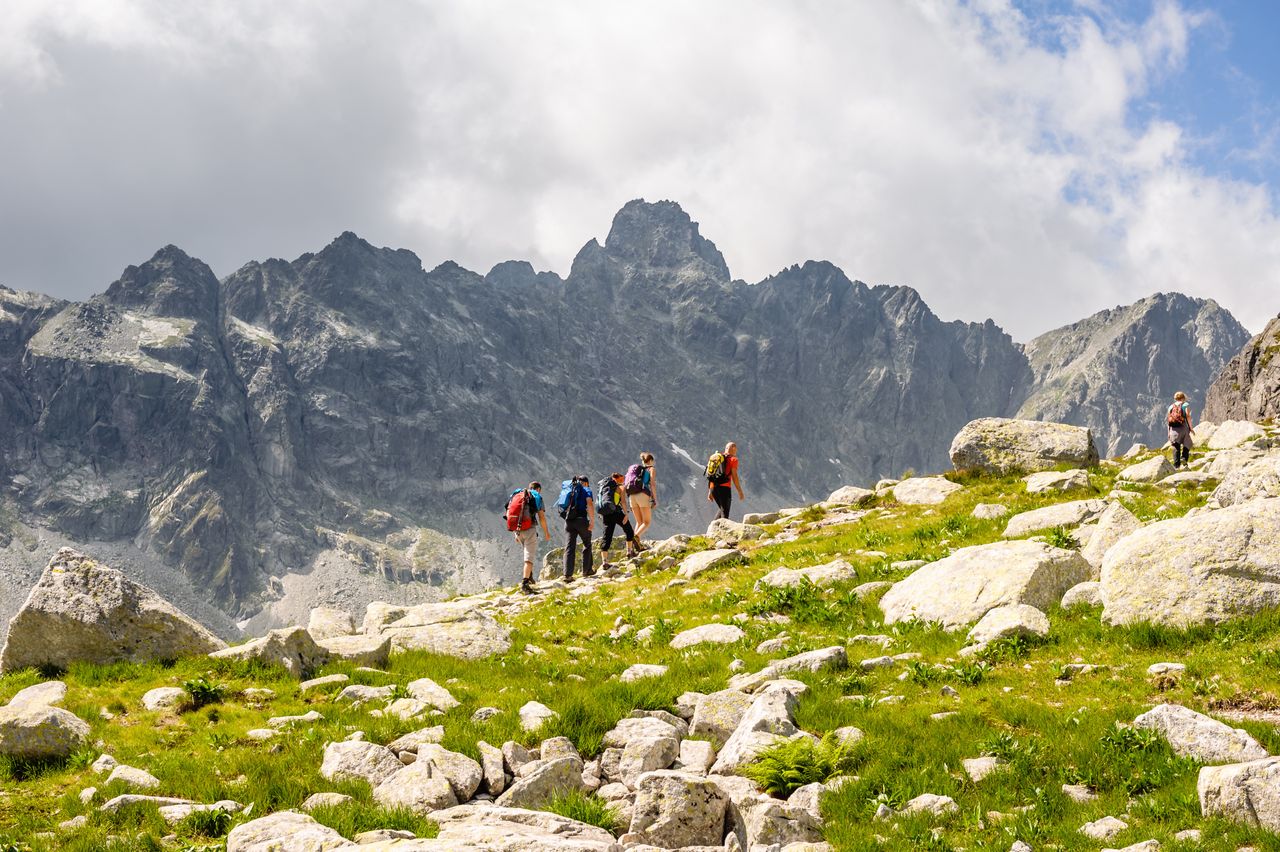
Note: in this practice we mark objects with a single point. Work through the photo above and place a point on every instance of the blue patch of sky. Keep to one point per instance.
(1225, 96)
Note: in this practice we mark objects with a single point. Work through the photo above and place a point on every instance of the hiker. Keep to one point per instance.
(722, 478)
(1178, 418)
(613, 507)
(642, 489)
(524, 506)
(579, 512)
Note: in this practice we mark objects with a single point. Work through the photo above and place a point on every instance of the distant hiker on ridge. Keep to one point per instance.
(612, 505)
(579, 513)
(642, 489)
(1178, 417)
(523, 507)
(722, 478)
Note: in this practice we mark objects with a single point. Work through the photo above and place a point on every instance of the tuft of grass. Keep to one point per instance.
(213, 823)
(592, 810)
(1061, 537)
(351, 818)
(203, 692)
(787, 766)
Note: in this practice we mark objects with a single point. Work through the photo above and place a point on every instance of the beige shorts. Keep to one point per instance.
(528, 539)
(641, 501)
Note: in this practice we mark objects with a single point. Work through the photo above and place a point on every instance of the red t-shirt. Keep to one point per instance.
(731, 467)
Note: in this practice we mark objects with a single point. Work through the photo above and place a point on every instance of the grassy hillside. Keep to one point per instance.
(1017, 701)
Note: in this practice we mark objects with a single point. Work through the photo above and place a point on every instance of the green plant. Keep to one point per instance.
(922, 673)
(579, 806)
(210, 823)
(1129, 739)
(789, 765)
(969, 674)
(1005, 650)
(202, 692)
(1061, 537)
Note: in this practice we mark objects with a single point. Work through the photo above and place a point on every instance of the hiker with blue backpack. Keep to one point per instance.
(523, 509)
(579, 512)
(642, 491)
(613, 507)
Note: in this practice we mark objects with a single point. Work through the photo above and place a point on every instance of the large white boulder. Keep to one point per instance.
(487, 828)
(706, 560)
(33, 730)
(826, 574)
(925, 490)
(716, 716)
(358, 650)
(708, 634)
(1153, 469)
(1049, 481)
(562, 775)
(426, 689)
(1232, 433)
(326, 622)
(289, 647)
(1002, 445)
(1115, 523)
(1255, 478)
(678, 809)
(723, 529)
(82, 611)
(832, 657)
(285, 831)
(850, 495)
(1196, 570)
(1006, 622)
(1247, 792)
(769, 719)
(1057, 515)
(455, 629)
(358, 759)
(1199, 737)
(963, 587)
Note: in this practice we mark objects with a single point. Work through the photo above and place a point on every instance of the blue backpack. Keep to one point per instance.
(572, 503)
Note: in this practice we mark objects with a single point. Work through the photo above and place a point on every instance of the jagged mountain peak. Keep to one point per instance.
(171, 283)
(661, 234)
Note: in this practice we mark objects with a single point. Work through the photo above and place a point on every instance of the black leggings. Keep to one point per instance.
(610, 525)
(723, 495)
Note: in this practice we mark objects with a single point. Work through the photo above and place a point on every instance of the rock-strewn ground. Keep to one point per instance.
(952, 740)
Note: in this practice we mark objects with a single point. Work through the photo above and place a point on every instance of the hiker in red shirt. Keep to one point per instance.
(722, 479)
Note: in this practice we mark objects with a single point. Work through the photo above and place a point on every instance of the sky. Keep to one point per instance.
(1029, 161)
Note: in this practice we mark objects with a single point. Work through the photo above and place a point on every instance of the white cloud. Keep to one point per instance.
(1004, 167)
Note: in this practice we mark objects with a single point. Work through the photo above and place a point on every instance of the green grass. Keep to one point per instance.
(585, 808)
(1010, 702)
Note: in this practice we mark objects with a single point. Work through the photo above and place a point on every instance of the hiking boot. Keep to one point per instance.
(588, 572)
(526, 586)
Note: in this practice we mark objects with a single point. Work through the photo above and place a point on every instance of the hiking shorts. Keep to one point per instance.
(641, 501)
(528, 539)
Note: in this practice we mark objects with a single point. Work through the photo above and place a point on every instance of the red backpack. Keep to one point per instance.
(1177, 415)
(519, 511)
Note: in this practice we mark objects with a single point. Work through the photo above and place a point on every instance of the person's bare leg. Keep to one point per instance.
(643, 516)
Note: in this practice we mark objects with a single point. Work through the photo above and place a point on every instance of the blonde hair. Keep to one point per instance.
(1180, 396)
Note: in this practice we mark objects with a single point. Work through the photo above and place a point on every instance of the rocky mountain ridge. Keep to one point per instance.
(1248, 388)
(345, 426)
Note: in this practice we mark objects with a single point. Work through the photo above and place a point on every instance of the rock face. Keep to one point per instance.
(289, 647)
(1002, 445)
(965, 586)
(456, 629)
(228, 428)
(1248, 387)
(1195, 570)
(1117, 370)
(81, 611)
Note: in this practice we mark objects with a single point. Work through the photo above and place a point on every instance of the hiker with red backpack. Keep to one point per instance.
(523, 509)
(579, 512)
(1178, 419)
(722, 478)
(642, 491)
